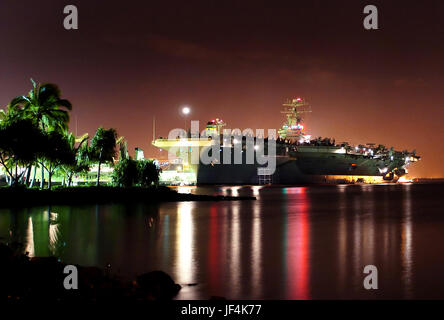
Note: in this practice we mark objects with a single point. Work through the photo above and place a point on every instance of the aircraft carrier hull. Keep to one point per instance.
(313, 165)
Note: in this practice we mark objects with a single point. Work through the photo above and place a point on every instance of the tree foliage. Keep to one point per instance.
(44, 104)
(126, 173)
(103, 147)
(129, 172)
(21, 142)
(81, 158)
(34, 134)
(57, 152)
(49, 111)
(148, 173)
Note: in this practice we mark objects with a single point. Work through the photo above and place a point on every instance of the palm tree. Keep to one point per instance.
(103, 147)
(21, 141)
(57, 153)
(44, 104)
(123, 148)
(80, 154)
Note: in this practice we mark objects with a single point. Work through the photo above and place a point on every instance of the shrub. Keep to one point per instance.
(129, 172)
(148, 173)
(126, 173)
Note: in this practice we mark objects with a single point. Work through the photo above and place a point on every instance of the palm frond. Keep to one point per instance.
(20, 101)
(47, 92)
(64, 103)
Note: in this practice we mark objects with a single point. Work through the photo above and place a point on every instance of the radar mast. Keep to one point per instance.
(293, 128)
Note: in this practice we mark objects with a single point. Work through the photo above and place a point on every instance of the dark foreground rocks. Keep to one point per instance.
(157, 285)
(25, 279)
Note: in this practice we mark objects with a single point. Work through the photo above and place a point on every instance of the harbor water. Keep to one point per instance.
(291, 243)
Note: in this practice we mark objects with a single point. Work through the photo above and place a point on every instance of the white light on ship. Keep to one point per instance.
(256, 147)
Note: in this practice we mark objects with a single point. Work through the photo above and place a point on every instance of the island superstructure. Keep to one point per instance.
(299, 158)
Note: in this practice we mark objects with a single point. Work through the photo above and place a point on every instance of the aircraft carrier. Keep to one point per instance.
(298, 158)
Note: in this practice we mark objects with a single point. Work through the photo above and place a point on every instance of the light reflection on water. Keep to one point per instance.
(406, 246)
(256, 250)
(184, 248)
(29, 241)
(291, 243)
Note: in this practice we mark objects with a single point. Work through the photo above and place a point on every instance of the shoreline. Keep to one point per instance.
(19, 197)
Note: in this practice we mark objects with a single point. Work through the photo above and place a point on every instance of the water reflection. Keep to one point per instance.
(256, 251)
(357, 245)
(235, 251)
(291, 243)
(166, 239)
(342, 239)
(298, 244)
(406, 246)
(214, 250)
(53, 232)
(29, 242)
(184, 247)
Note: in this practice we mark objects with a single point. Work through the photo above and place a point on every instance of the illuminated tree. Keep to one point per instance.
(126, 173)
(103, 148)
(81, 155)
(57, 152)
(45, 105)
(148, 173)
(21, 142)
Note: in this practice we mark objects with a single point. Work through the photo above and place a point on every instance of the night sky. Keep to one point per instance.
(237, 60)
